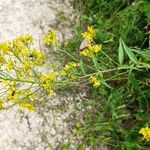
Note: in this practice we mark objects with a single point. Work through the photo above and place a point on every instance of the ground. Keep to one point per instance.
(50, 125)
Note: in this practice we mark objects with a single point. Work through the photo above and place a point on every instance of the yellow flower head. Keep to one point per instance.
(69, 70)
(8, 83)
(38, 57)
(47, 81)
(25, 38)
(25, 52)
(95, 48)
(146, 133)
(5, 48)
(70, 65)
(13, 94)
(27, 106)
(26, 65)
(95, 81)
(85, 53)
(91, 49)
(18, 46)
(91, 30)
(10, 64)
(89, 34)
(49, 38)
(49, 77)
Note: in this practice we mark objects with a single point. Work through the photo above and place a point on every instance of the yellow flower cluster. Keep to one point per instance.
(91, 50)
(37, 57)
(8, 83)
(20, 63)
(26, 97)
(71, 65)
(13, 94)
(146, 133)
(47, 81)
(27, 106)
(5, 48)
(69, 70)
(89, 34)
(49, 38)
(25, 38)
(19, 54)
(95, 81)
(10, 64)
(23, 97)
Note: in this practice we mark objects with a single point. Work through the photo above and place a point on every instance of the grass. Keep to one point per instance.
(120, 105)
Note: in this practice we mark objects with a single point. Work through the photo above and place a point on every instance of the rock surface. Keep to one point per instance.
(50, 125)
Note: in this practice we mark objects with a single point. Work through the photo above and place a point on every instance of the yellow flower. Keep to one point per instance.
(146, 133)
(49, 38)
(38, 57)
(89, 34)
(50, 92)
(91, 49)
(1, 104)
(2, 60)
(70, 65)
(5, 48)
(10, 64)
(95, 48)
(49, 77)
(26, 64)
(25, 52)
(18, 46)
(47, 81)
(86, 53)
(7, 82)
(91, 30)
(94, 81)
(28, 106)
(13, 94)
(25, 38)
(69, 71)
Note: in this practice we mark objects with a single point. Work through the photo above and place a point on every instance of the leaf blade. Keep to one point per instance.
(120, 53)
(129, 52)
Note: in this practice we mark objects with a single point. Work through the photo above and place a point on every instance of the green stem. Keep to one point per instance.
(17, 80)
(111, 70)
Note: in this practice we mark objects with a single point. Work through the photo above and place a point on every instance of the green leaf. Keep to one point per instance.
(133, 81)
(82, 67)
(129, 52)
(120, 52)
(104, 82)
(103, 127)
(95, 63)
(98, 128)
(143, 53)
(80, 147)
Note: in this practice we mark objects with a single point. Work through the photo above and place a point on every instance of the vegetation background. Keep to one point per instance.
(120, 105)
(108, 57)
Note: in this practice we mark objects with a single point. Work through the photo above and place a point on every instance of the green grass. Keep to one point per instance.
(120, 106)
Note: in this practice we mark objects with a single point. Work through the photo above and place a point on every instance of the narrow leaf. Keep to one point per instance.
(82, 67)
(120, 53)
(129, 53)
(104, 82)
(133, 81)
(143, 53)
